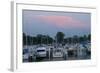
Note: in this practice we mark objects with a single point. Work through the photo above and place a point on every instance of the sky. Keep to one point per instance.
(50, 22)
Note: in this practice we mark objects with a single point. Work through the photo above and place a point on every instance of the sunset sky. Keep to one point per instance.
(49, 23)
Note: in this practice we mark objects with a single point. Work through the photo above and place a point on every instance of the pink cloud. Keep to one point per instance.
(62, 21)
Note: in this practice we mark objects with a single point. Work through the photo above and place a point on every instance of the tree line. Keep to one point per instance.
(59, 38)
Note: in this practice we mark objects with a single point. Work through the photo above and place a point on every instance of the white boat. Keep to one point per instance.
(57, 53)
(41, 52)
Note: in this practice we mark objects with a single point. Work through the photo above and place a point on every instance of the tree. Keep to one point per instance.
(75, 39)
(44, 39)
(34, 40)
(24, 39)
(89, 37)
(60, 37)
(85, 38)
(49, 40)
(39, 39)
(69, 40)
(28, 40)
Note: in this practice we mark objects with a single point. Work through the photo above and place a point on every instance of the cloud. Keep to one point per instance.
(61, 21)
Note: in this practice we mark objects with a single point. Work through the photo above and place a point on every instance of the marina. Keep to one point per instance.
(39, 53)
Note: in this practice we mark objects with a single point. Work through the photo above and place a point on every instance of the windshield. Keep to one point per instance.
(40, 50)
